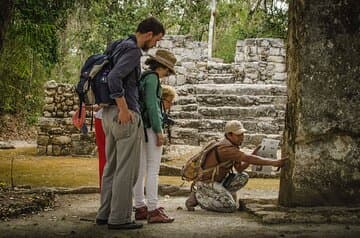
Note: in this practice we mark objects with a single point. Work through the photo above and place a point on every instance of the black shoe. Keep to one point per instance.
(101, 222)
(126, 226)
(242, 206)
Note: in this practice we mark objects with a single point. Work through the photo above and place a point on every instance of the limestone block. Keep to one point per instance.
(180, 80)
(280, 76)
(60, 113)
(167, 44)
(276, 59)
(51, 84)
(49, 100)
(56, 150)
(277, 43)
(42, 140)
(49, 107)
(61, 140)
(49, 150)
(41, 150)
(279, 68)
(275, 51)
(47, 122)
(56, 131)
(47, 114)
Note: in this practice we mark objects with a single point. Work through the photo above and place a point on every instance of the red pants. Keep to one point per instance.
(100, 142)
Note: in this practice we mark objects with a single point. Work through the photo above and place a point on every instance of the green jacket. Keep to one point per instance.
(150, 102)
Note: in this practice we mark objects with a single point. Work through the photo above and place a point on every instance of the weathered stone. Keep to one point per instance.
(61, 140)
(42, 140)
(322, 119)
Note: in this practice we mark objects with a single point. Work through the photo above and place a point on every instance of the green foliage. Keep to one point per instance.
(241, 19)
(30, 51)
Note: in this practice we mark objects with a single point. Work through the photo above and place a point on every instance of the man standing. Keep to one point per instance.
(216, 190)
(123, 128)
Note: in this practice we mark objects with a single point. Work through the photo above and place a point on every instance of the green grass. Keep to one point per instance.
(49, 171)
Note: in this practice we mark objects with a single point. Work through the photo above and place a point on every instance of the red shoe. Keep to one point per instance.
(141, 213)
(159, 216)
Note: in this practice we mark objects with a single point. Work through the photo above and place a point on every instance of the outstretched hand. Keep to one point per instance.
(281, 162)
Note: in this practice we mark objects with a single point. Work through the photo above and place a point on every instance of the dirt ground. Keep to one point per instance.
(73, 216)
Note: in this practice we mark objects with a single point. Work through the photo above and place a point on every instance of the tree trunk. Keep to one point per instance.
(5, 17)
(211, 29)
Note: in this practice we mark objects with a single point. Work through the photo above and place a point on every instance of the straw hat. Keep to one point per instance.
(165, 58)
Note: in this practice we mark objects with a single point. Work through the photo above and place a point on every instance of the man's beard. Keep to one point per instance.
(146, 46)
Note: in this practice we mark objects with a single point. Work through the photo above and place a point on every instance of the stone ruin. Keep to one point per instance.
(252, 89)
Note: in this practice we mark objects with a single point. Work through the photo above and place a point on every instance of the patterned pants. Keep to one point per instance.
(214, 197)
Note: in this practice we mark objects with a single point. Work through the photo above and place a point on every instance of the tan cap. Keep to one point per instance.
(235, 127)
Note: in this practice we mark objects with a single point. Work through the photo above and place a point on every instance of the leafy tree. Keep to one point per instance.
(29, 51)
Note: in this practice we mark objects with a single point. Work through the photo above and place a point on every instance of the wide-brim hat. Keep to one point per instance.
(78, 118)
(235, 127)
(165, 58)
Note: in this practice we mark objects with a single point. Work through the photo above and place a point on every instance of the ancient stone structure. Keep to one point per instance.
(322, 131)
(252, 89)
(56, 133)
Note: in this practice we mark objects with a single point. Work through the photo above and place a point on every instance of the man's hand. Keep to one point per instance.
(159, 139)
(280, 162)
(125, 116)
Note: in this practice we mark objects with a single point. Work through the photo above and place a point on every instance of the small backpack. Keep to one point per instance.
(92, 87)
(193, 168)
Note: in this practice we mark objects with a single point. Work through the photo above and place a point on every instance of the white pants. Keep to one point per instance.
(149, 167)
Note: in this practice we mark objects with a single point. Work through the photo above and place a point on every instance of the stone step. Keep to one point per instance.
(240, 113)
(239, 89)
(244, 100)
(264, 125)
(249, 140)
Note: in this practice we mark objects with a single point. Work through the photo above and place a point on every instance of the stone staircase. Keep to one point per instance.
(202, 109)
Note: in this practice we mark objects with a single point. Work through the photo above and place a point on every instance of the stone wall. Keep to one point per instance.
(56, 133)
(322, 131)
(261, 60)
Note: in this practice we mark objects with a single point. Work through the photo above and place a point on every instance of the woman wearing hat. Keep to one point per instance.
(161, 65)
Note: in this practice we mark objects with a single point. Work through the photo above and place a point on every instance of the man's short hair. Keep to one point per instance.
(151, 24)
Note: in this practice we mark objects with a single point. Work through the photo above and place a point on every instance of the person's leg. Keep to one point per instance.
(153, 155)
(214, 197)
(239, 181)
(109, 169)
(139, 197)
(100, 142)
(128, 143)
(235, 185)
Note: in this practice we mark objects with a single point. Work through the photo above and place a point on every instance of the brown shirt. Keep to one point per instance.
(227, 152)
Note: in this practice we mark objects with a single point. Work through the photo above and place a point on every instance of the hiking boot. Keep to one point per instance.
(191, 202)
(242, 206)
(141, 213)
(159, 216)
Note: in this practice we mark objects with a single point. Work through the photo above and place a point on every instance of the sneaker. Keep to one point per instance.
(126, 226)
(159, 216)
(141, 213)
(191, 202)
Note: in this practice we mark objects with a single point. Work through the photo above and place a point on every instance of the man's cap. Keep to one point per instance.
(165, 58)
(235, 127)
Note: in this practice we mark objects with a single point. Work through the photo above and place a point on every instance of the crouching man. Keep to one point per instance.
(216, 191)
